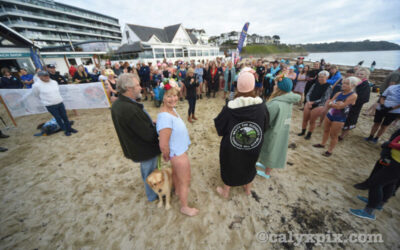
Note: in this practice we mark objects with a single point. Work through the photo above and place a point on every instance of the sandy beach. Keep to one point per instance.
(80, 192)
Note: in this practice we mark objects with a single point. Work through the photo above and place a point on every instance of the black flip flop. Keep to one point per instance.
(327, 154)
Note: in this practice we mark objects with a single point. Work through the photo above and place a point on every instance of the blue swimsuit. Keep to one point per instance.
(339, 115)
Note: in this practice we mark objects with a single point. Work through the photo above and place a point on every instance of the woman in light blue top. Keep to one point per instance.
(174, 142)
(229, 76)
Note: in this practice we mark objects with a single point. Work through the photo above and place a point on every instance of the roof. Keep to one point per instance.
(14, 37)
(145, 33)
(193, 38)
(171, 31)
(129, 48)
(166, 35)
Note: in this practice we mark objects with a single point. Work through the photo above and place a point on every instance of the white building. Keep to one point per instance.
(154, 44)
(257, 39)
(233, 38)
(229, 36)
(199, 34)
(17, 51)
(49, 23)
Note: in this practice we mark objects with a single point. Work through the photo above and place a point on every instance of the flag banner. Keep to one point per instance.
(36, 59)
(22, 102)
(242, 38)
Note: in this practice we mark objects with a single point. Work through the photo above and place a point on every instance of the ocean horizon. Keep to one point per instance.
(385, 59)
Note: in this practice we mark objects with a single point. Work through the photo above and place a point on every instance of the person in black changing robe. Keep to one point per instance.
(241, 123)
(363, 91)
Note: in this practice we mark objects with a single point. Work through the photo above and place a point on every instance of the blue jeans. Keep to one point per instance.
(146, 167)
(60, 114)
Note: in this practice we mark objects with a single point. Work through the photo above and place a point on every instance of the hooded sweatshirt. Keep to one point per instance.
(276, 138)
(241, 124)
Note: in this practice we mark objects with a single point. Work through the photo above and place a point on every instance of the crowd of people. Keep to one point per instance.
(254, 124)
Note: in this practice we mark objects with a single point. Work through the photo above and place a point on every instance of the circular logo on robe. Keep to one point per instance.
(246, 135)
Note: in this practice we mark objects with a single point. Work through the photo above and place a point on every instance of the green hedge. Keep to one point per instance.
(269, 49)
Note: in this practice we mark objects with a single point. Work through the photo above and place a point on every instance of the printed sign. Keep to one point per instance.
(22, 102)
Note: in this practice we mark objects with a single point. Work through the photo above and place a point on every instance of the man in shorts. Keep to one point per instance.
(387, 111)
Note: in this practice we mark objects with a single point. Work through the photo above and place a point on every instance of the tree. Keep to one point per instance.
(233, 33)
(276, 37)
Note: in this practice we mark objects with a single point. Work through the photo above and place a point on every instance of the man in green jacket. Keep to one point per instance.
(135, 128)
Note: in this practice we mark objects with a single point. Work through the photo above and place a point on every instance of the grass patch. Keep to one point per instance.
(270, 49)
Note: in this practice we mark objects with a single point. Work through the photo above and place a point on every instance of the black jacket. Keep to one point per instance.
(82, 79)
(10, 83)
(212, 80)
(242, 130)
(136, 131)
(363, 91)
(190, 88)
(58, 78)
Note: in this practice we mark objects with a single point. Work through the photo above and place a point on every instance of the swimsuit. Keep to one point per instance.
(339, 115)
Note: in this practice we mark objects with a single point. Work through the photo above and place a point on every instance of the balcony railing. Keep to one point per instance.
(74, 38)
(33, 25)
(32, 14)
(67, 10)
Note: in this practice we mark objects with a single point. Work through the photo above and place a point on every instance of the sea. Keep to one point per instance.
(388, 59)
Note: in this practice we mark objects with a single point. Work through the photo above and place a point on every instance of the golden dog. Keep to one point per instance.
(161, 182)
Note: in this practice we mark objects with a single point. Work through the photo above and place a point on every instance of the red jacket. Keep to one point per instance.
(72, 70)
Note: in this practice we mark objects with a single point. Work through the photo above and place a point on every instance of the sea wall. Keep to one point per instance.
(377, 76)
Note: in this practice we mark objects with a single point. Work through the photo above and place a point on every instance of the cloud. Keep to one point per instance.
(306, 21)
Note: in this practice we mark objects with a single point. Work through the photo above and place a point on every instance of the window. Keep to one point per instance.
(26, 64)
(146, 54)
(212, 52)
(179, 52)
(159, 53)
(192, 52)
(205, 53)
(169, 52)
(72, 61)
(199, 53)
(87, 61)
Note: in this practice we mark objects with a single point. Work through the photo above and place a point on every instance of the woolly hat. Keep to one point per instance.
(246, 82)
(285, 84)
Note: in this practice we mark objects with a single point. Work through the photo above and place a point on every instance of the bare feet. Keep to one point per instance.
(189, 211)
(247, 189)
(222, 192)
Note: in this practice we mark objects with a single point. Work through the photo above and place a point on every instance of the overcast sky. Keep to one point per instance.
(307, 21)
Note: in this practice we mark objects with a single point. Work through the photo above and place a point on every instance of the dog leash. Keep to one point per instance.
(159, 162)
